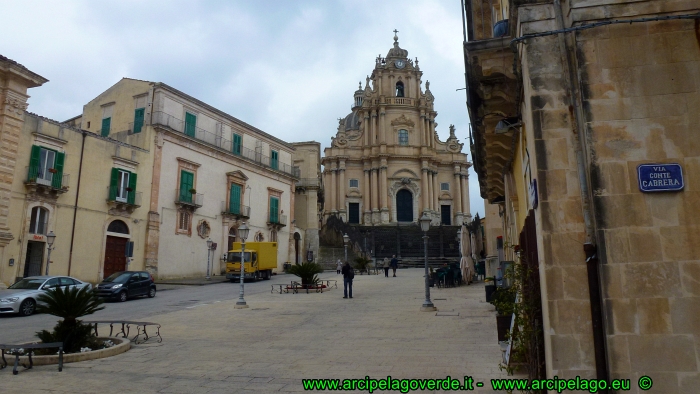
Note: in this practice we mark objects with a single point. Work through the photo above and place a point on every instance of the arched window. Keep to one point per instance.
(403, 137)
(259, 237)
(399, 89)
(118, 226)
(273, 236)
(39, 220)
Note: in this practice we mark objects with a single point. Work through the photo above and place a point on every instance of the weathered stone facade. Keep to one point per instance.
(588, 107)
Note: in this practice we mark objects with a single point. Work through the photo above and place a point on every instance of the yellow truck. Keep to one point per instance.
(260, 259)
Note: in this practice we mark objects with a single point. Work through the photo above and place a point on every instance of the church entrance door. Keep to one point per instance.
(354, 213)
(404, 206)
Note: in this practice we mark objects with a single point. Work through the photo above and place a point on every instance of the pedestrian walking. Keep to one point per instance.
(394, 264)
(348, 276)
(339, 267)
(386, 267)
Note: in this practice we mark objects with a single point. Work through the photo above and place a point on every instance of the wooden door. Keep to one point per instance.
(404, 206)
(446, 215)
(115, 259)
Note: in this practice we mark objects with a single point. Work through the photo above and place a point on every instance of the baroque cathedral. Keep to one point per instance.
(386, 163)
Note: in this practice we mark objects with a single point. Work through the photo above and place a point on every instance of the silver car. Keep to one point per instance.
(21, 297)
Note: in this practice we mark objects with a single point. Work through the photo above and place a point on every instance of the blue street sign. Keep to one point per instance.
(660, 177)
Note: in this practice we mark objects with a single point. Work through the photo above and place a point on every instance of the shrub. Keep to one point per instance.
(69, 304)
(306, 272)
(504, 301)
(361, 263)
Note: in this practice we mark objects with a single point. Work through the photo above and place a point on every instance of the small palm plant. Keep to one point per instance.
(69, 304)
(361, 263)
(307, 272)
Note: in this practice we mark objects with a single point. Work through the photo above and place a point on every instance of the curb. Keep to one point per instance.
(77, 357)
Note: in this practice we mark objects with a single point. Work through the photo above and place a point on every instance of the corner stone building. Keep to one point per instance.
(568, 98)
(386, 163)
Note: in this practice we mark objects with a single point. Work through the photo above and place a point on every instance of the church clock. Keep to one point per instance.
(400, 63)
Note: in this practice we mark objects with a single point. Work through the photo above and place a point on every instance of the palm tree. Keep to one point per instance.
(307, 272)
(69, 304)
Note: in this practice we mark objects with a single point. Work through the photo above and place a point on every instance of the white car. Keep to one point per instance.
(21, 296)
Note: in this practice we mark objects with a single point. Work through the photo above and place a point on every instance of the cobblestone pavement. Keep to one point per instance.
(283, 338)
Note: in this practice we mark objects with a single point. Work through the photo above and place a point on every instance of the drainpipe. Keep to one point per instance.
(75, 206)
(567, 47)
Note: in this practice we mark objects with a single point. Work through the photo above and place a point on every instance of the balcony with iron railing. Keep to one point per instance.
(216, 139)
(189, 199)
(123, 198)
(277, 219)
(238, 211)
(48, 181)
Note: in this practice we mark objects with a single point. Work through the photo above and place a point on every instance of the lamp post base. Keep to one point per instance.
(428, 308)
(240, 305)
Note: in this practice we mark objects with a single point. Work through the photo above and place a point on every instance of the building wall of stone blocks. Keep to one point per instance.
(641, 94)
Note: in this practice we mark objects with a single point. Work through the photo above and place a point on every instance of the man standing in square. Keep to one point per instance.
(348, 276)
(394, 264)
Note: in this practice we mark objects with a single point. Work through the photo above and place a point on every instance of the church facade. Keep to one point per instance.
(386, 164)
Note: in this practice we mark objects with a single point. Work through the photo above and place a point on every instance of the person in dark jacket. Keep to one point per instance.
(348, 276)
(394, 264)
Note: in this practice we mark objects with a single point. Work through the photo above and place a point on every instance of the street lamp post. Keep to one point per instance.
(346, 239)
(50, 238)
(425, 226)
(243, 233)
(209, 242)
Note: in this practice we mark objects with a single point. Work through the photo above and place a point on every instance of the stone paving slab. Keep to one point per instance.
(283, 338)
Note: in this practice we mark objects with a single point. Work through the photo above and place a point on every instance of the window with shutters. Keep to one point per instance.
(122, 186)
(403, 137)
(39, 220)
(445, 186)
(274, 160)
(234, 202)
(190, 124)
(274, 210)
(237, 144)
(46, 167)
(354, 183)
(106, 125)
(186, 186)
(138, 119)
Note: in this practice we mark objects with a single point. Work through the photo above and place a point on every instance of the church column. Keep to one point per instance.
(426, 127)
(465, 196)
(373, 135)
(382, 129)
(421, 124)
(334, 187)
(430, 190)
(457, 197)
(436, 192)
(424, 188)
(366, 128)
(375, 193)
(383, 191)
(366, 196)
(342, 189)
(432, 131)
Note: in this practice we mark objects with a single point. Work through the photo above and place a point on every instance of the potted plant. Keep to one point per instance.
(70, 304)
(489, 287)
(129, 189)
(361, 264)
(53, 170)
(307, 273)
(193, 191)
(504, 301)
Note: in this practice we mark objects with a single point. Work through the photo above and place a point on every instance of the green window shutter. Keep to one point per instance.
(131, 196)
(34, 163)
(235, 200)
(274, 210)
(237, 143)
(57, 178)
(106, 123)
(113, 185)
(274, 163)
(138, 119)
(190, 124)
(186, 183)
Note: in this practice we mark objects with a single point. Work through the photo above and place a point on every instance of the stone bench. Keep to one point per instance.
(19, 350)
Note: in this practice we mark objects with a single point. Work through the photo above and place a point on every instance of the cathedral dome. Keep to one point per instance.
(352, 121)
(396, 51)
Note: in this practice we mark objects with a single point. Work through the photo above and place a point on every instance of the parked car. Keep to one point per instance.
(127, 284)
(21, 296)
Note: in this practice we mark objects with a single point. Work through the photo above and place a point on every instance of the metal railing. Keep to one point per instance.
(47, 178)
(218, 140)
(236, 209)
(188, 198)
(123, 195)
(309, 182)
(277, 219)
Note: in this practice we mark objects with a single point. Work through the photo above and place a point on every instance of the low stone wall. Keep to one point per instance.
(121, 345)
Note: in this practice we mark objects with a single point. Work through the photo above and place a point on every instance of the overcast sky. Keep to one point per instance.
(288, 67)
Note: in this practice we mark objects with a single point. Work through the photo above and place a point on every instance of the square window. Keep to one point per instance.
(403, 137)
(445, 186)
(354, 183)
